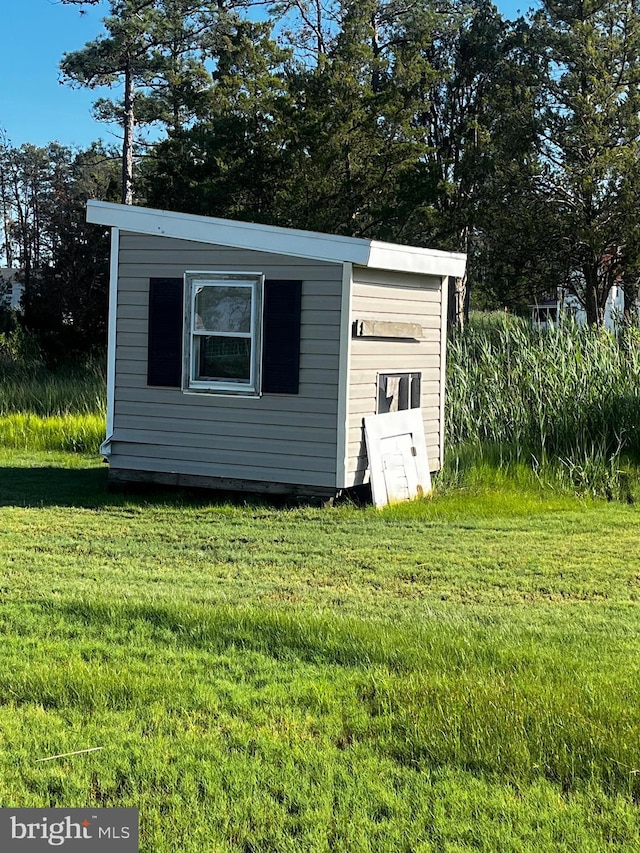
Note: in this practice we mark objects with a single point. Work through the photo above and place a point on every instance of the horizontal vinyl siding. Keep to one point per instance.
(229, 464)
(275, 438)
(165, 401)
(148, 457)
(400, 298)
(322, 437)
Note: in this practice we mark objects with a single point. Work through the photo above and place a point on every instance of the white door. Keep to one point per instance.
(399, 467)
(398, 464)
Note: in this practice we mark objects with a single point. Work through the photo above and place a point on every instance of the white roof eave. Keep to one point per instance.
(392, 256)
(275, 240)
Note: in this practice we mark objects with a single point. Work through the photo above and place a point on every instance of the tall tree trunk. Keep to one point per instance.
(375, 49)
(595, 314)
(24, 242)
(127, 143)
(4, 199)
(459, 289)
(458, 308)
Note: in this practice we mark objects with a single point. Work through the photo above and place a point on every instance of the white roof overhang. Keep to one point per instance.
(279, 241)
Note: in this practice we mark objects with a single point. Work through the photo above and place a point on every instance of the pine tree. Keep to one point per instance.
(158, 50)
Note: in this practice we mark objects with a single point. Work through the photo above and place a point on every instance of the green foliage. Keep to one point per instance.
(44, 410)
(163, 45)
(158, 50)
(74, 433)
(380, 121)
(63, 262)
(568, 398)
(29, 387)
(233, 161)
(591, 144)
(515, 141)
(19, 351)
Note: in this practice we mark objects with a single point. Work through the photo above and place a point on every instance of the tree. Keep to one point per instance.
(26, 176)
(308, 28)
(406, 122)
(473, 81)
(66, 303)
(348, 133)
(62, 261)
(158, 50)
(233, 161)
(383, 121)
(591, 142)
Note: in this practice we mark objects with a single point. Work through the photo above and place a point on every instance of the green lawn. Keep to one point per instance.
(454, 675)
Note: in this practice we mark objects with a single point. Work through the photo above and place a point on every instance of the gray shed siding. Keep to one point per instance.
(399, 297)
(275, 438)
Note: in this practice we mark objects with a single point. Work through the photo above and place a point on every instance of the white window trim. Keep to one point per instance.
(198, 278)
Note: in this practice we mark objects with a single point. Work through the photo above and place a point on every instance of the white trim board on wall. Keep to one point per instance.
(343, 376)
(105, 447)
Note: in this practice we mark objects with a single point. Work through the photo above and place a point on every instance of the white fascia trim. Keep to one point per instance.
(343, 377)
(105, 447)
(227, 232)
(444, 316)
(412, 259)
(275, 240)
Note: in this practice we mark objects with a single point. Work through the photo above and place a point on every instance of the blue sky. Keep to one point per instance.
(34, 106)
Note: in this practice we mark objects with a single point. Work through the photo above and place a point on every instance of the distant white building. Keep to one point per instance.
(567, 306)
(12, 294)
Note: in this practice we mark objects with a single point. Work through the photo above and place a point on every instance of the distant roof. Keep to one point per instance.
(279, 241)
(7, 273)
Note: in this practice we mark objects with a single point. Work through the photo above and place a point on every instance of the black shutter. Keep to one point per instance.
(281, 337)
(164, 365)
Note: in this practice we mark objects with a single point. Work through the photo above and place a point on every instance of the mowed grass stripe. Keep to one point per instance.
(459, 674)
(406, 703)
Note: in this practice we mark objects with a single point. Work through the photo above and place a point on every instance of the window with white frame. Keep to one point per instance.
(223, 322)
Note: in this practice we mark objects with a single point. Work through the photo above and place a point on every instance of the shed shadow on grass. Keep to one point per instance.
(88, 488)
(311, 638)
(53, 486)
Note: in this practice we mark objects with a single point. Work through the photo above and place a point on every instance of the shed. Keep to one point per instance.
(246, 356)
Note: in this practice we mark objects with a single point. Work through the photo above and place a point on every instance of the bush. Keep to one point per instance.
(19, 350)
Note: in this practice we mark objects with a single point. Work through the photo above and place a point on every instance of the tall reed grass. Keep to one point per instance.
(74, 433)
(34, 389)
(41, 409)
(565, 400)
